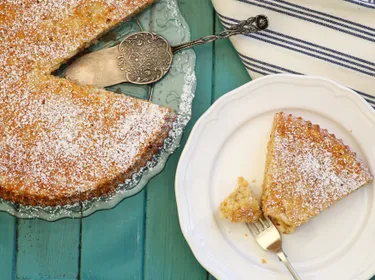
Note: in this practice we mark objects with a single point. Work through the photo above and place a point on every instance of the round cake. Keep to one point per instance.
(60, 142)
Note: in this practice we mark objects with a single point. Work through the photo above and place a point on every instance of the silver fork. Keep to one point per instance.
(268, 237)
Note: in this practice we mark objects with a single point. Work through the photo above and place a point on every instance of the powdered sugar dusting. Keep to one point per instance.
(58, 139)
(309, 171)
(43, 34)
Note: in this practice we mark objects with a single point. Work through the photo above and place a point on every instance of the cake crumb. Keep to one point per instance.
(240, 206)
(246, 234)
(350, 130)
(253, 181)
(264, 261)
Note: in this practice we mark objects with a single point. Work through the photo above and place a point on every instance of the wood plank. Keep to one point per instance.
(229, 73)
(228, 68)
(112, 242)
(7, 246)
(167, 255)
(48, 250)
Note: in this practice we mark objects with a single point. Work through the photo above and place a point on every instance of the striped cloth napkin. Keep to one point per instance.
(329, 38)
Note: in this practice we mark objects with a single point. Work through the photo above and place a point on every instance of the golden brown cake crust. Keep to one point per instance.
(307, 170)
(59, 142)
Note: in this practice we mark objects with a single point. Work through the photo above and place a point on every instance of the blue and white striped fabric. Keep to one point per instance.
(330, 38)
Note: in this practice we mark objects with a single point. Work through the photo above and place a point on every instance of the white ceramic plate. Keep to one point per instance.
(230, 140)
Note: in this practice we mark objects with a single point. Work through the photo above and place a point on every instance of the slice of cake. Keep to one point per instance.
(307, 170)
(240, 206)
(62, 143)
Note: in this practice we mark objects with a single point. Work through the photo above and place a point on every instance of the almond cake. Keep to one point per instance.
(307, 171)
(241, 206)
(62, 143)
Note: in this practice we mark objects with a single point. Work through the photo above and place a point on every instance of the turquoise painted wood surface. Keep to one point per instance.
(112, 245)
(141, 237)
(48, 250)
(7, 246)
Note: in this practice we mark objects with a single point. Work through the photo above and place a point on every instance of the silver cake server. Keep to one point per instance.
(144, 57)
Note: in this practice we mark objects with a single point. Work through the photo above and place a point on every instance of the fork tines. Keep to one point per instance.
(260, 225)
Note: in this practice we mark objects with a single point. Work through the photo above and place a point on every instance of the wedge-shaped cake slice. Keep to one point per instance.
(307, 171)
(241, 206)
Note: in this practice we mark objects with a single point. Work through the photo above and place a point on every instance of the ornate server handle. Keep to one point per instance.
(250, 25)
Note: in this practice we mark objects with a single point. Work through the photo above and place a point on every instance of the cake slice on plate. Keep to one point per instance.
(307, 171)
(241, 206)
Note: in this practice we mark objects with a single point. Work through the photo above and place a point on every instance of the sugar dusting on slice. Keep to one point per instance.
(309, 171)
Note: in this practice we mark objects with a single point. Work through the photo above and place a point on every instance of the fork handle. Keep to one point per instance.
(284, 259)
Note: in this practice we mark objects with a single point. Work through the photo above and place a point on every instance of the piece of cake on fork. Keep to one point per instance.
(307, 171)
(241, 206)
